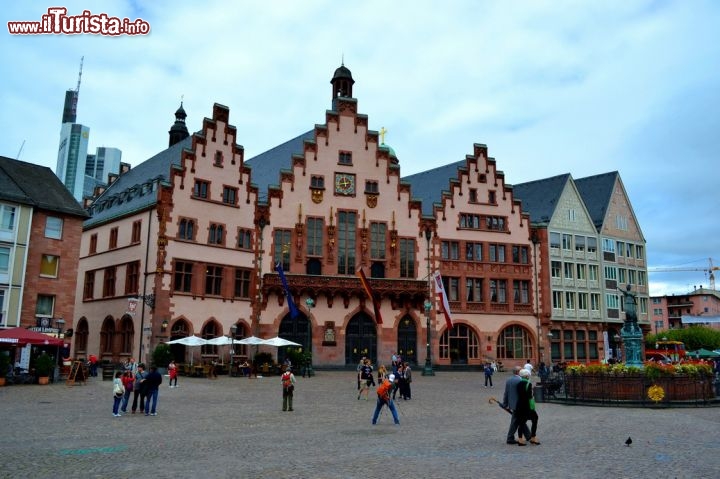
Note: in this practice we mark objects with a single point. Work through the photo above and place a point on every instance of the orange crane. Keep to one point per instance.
(710, 270)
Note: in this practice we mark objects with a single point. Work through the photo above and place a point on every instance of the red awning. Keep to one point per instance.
(22, 336)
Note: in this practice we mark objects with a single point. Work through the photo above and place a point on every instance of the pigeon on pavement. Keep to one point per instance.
(628, 442)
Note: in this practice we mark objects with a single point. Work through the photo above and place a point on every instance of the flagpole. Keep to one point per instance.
(428, 369)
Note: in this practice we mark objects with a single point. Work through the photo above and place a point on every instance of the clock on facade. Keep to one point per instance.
(344, 184)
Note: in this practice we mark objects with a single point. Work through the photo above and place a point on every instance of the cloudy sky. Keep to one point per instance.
(580, 87)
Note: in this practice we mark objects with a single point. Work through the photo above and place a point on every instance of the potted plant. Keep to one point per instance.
(161, 357)
(44, 365)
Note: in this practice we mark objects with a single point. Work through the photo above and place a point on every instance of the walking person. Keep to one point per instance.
(93, 360)
(288, 385)
(152, 385)
(118, 393)
(384, 399)
(510, 399)
(173, 373)
(399, 381)
(488, 374)
(526, 407)
(382, 373)
(365, 379)
(358, 368)
(128, 382)
(138, 389)
(407, 379)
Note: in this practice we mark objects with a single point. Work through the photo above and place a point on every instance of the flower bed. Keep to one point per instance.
(600, 382)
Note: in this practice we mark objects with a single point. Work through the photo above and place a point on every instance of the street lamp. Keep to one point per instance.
(233, 332)
(428, 370)
(310, 303)
(59, 323)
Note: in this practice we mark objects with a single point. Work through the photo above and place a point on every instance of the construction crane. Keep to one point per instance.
(710, 270)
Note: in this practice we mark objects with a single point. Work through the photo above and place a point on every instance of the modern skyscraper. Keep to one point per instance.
(106, 160)
(72, 155)
(78, 171)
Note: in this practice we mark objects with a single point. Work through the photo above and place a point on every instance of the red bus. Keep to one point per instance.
(674, 350)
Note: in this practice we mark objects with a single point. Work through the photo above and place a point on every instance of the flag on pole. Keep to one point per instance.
(440, 291)
(291, 303)
(368, 290)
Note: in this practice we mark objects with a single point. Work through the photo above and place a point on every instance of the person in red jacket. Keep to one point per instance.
(384, 399)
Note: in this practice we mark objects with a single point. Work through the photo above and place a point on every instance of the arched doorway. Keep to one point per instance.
(360, 339)
(515, 342)
(297, 330)
(181, 329)
(459, 344)
(407, 339)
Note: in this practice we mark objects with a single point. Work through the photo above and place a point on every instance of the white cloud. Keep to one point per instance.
(550, 86)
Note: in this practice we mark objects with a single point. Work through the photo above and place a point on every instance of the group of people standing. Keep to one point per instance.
(144, 385)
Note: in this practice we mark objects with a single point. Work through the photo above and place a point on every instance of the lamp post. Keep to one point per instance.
(233, 332)
(307, 357)
(59, 323)
(428, 370)
(550, 338)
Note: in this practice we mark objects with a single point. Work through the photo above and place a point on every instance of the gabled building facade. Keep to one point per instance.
(200, 235)
(572, 307)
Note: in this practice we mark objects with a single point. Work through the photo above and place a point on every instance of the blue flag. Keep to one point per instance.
(291, 304)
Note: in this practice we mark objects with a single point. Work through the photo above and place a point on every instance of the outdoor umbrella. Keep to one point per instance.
(702, 354)
(251, 340)
(189, 341)
(22, 336)
(279, 342)
(221, 341)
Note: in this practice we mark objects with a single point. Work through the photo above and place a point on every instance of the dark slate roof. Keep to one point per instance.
(540, 197)
(596, 192)
(37, 186)
(429, 185)
(135, 190)
(266, 166)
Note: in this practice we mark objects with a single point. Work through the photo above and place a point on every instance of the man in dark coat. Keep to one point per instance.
(510, 399)
(152, 386)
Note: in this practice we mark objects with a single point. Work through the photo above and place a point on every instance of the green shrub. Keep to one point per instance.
(44, 364)
(162, 355)
(262, 358)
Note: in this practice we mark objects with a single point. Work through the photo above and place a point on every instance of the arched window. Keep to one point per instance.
(210, 330)
(107, 334)
(240, 333)
(81, 336)
(186, 229)
(459, 344)
(127, 335)
(515, 342)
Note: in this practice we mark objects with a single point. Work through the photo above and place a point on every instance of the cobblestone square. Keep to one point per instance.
(234, 427)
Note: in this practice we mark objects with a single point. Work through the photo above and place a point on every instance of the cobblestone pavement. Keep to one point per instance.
(234, 427)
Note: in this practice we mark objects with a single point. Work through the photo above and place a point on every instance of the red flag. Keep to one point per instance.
(368, 290)
(440, 289)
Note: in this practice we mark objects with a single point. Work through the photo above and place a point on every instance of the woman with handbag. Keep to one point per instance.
(118, 393)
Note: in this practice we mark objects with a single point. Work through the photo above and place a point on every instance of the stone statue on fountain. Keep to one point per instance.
(631, 333)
